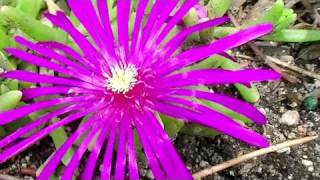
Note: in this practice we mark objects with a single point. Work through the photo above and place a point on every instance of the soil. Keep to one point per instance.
(299, 162)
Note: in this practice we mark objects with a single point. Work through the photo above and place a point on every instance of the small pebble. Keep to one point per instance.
(290, 118)
(204, 164)
(311, 168)
(307, 163)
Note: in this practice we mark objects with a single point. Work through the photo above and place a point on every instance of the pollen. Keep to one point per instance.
(122, 79)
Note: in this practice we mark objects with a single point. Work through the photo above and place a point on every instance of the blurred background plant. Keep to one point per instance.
(24, 17)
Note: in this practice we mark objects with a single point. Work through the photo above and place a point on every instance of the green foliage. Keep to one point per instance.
(30, 7)
(217, 8)
(12, 18)
(59, 136)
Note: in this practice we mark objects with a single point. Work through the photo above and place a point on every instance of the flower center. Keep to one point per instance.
(122, 79)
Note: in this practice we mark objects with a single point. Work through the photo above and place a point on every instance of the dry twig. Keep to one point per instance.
(254, 154)
(293, 68)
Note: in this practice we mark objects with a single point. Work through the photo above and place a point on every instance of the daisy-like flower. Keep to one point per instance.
(121, 83)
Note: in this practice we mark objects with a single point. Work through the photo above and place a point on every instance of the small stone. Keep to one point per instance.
(293, 104)
(231, 173)
(290, 118)
(292, 135)
(311, 168)
(310, 103)
(284, 150)
(307, 163)
(204, 164)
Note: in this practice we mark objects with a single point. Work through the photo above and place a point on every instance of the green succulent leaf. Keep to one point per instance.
(217, 8)
(59, 136)
(14, 18)
(30, 7)
(10, 100)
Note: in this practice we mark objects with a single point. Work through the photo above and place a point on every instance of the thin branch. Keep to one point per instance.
(254, 154)
(293, 68)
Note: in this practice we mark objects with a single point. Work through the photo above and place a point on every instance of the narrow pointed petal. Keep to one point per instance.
(213, 120)
(32, 77)
(93, 157)
(11, 115)
(218, 76)
(109, 41)
(31, 93)
(68, 172)
(105, 168)
(236, 105)
(70, 52)
(176, 18)
(38, 122)
(176, 41)
(87, 49)
(41, 62)
(22, 145)
(123, 14)
(153, 162)
(52, 54)
(132, 159)
(49, 168)
(226, 43)
(155, 11)
(163, 148)
(120, 167)
(159, 14)
(141, 7)
(85, 12)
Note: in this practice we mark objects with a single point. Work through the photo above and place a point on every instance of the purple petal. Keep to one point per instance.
(218, 76)
(153, 162)
(123, 14)
(45, 79)
(120, 168)
(58, 154)
(158, 15)
(38, 122)
(176, 18)
(105, 168)
(70, 52)
(22, 145)
(77, 155)
(163, 148)
(231, 41)
(93, 157)
(86, 47)
(52, 54)
(31, 93)
(212, 120)
(176, 41)
(85, 12)
(38, 61)
(132, 159)
(11, 115)
(137, 23)
(238, 106)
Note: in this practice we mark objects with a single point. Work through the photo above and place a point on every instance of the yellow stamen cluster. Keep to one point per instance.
(122, 79)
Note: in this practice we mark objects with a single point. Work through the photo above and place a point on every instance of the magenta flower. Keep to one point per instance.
(121, 83)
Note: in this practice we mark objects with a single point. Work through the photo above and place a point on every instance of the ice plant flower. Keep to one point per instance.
(121, 83)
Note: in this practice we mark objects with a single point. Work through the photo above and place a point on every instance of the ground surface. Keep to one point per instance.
(302, 162)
